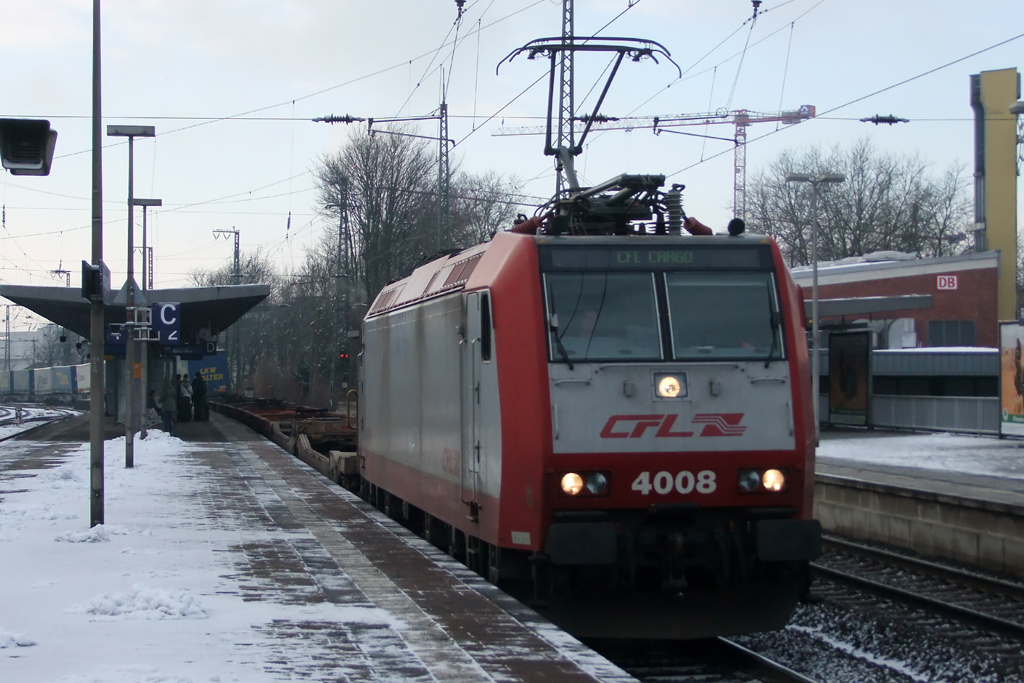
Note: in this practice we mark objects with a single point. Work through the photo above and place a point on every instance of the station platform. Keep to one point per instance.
(224, 558)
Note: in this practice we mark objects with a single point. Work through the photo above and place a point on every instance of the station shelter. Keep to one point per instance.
(187, 325)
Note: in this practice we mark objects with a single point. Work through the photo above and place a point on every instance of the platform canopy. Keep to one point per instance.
(205, 311)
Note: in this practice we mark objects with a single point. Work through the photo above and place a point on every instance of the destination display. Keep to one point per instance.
(696, 257)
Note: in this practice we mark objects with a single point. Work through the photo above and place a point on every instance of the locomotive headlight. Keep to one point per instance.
(596, 483)
(572, 483)
(669, 386)
(774, 480)
(749, 480)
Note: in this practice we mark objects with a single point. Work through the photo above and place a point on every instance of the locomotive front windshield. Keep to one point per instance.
(723, 315)
(603, 316)
(622, 305)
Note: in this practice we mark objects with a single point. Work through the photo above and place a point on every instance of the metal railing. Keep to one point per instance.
(963, 414)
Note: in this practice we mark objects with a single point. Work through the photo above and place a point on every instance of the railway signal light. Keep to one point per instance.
(26, 146)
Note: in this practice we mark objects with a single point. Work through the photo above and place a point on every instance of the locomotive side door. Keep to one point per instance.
(479, 400)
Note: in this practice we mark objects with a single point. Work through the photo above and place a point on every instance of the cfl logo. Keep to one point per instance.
(664, 426)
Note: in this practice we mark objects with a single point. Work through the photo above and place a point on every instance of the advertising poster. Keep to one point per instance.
(214, 370)
(1011, 379)
(849, 372)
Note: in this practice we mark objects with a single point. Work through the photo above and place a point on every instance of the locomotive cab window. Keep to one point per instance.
(486, 338)
(602, 316)
(724, 316)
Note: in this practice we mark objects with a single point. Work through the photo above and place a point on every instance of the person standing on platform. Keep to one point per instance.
(200, 407)
(184, 400)
(168, 402)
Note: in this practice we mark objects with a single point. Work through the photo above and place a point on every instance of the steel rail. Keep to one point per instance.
(966, 614)
(778, 672)
(941, 571)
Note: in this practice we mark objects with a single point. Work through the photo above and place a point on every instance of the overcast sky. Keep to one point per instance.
(232, 86)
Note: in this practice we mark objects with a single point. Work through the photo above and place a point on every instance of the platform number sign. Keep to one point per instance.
(167, 322)
(946, 282)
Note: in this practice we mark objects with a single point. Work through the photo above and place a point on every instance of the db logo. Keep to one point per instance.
(946, 282)
(635, 426)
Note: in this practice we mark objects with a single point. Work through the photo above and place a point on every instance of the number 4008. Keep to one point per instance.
(684, 482)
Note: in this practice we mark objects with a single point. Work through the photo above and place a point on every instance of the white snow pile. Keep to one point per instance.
(144, 603)
(64, 473)
(8, 639)
(97, 534)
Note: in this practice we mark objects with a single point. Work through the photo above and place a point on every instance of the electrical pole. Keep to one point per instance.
(96, 388)
(566, 107)
(131, 386)
(444, 210)
(7, 339)
(237, 277)
(59, 271)
(342, 270)
(147, 274)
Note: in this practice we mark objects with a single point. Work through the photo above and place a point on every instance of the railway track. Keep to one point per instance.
(717, 660)
(984, 602)
(32, 416)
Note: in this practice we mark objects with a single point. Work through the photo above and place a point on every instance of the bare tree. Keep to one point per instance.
(887, 203)
(481, 206)
(254, 334)
(387, 177)
(381, 193)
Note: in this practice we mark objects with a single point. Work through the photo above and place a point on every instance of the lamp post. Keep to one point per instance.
(146, 275)
(815, 360)
(130, 132)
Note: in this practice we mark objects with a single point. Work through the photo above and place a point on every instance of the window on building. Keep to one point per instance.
(951, 333)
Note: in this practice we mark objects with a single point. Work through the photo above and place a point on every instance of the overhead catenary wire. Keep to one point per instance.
(864, 97)
(785, 70)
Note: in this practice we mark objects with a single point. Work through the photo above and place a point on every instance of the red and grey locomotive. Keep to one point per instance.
(606, 411)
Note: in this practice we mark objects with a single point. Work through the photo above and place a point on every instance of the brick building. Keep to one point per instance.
(963, 290)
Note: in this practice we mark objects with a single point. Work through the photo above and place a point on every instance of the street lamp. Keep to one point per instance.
(130, 132)
(1017, 107)
(815, 360)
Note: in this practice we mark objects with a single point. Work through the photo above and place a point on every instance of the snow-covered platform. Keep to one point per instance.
(983, 468)
(223, 558)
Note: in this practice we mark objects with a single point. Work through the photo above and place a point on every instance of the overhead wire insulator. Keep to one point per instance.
(331, 118)
(674, 204)
(889, 119)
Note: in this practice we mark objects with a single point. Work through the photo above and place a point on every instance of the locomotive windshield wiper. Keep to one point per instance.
(553, 324)
(776, 322)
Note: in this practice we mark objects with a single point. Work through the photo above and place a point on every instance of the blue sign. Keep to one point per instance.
(116, 341)
(214, 370)
(116, 335)
(167, 323)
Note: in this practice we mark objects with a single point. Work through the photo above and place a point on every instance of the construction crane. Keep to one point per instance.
(740, 118)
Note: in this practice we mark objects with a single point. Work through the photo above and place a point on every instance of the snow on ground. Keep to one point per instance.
(28, 412)
(979, 455)
(149, 596)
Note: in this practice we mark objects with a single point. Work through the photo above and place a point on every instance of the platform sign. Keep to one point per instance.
(1011, 379)
(849, 372)
(167, 322)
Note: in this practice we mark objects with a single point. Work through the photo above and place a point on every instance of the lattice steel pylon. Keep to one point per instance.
(444, 193)
(566, 137)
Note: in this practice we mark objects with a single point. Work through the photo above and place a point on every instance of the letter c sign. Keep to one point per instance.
(167, 322)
